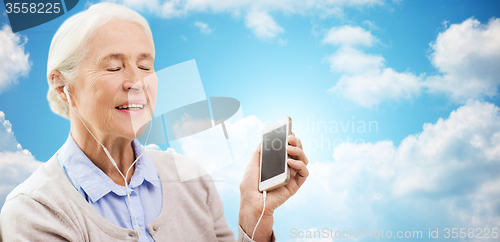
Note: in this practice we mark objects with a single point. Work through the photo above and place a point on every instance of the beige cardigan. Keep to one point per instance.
(46, 207)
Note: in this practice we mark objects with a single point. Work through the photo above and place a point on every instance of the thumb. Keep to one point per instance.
(255, 160)
(256, 153)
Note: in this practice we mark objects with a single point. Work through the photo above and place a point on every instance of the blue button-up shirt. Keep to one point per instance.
(110, 199)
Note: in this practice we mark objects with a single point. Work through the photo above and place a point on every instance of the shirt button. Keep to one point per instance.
(155, 227)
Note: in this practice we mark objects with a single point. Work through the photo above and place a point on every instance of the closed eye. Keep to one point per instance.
(115, 69)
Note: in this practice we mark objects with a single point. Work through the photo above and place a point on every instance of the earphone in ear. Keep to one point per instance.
(65, 89)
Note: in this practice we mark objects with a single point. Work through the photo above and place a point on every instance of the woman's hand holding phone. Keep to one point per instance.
(251, 199)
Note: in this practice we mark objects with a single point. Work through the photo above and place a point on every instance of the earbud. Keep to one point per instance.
(65, 89)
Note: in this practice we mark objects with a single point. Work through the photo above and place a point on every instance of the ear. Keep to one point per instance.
(58, 80)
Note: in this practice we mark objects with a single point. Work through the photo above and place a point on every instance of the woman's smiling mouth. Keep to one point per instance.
(131, 107)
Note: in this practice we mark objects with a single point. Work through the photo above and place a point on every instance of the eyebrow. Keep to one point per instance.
(101, 59)
(121, 56)
(143, 56)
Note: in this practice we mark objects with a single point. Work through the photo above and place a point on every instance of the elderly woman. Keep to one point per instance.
(101, 77)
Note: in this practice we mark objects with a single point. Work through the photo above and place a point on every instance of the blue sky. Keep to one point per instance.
(401, 64)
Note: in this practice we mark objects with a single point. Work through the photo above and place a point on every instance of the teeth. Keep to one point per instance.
(132, 106)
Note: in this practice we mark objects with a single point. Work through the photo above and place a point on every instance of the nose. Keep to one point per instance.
(133, 80)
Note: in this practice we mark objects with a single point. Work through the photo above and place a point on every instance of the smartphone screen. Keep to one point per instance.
(273, 153)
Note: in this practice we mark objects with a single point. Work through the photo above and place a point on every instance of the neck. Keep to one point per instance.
(120, 149)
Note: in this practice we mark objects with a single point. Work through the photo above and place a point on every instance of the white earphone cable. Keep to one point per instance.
(113, 161)
(263, 209)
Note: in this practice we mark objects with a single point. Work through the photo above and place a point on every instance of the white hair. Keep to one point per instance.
(68, 45)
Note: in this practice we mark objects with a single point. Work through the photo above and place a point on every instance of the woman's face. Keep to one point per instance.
(115, 89)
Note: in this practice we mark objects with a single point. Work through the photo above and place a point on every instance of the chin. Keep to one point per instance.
(141, 130)
(134, 128)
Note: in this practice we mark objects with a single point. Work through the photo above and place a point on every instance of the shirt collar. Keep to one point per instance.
(94, 181)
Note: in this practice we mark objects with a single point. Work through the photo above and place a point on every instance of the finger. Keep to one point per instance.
(255, 160)
(293, 140)
(293, 133)
(257, 150)
(297, 153)
(293, 172)
(302, 171)
(299, 166)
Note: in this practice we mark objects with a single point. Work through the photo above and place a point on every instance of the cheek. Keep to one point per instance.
(102, 82)
(101, 92)
(152, 82)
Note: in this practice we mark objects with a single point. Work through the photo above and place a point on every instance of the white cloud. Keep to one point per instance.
(452, 156)
(445, 176)
(370, 24)
(231, 175)
(14, 60)
(241, 130)
(349, 36)
(210, 148)
(256, 12)
(282, 42)
(367, 81)
(352, 61)
(468, 56)
(152, 147)
(385, 84)
(204, 28)
(170, 9)
(156, 147)
(7, 141)
(16, 164)
(262, 25)
(15, 167)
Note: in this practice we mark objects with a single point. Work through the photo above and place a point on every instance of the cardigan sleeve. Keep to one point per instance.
(221, 228)
(24, 219)
(243, 237)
